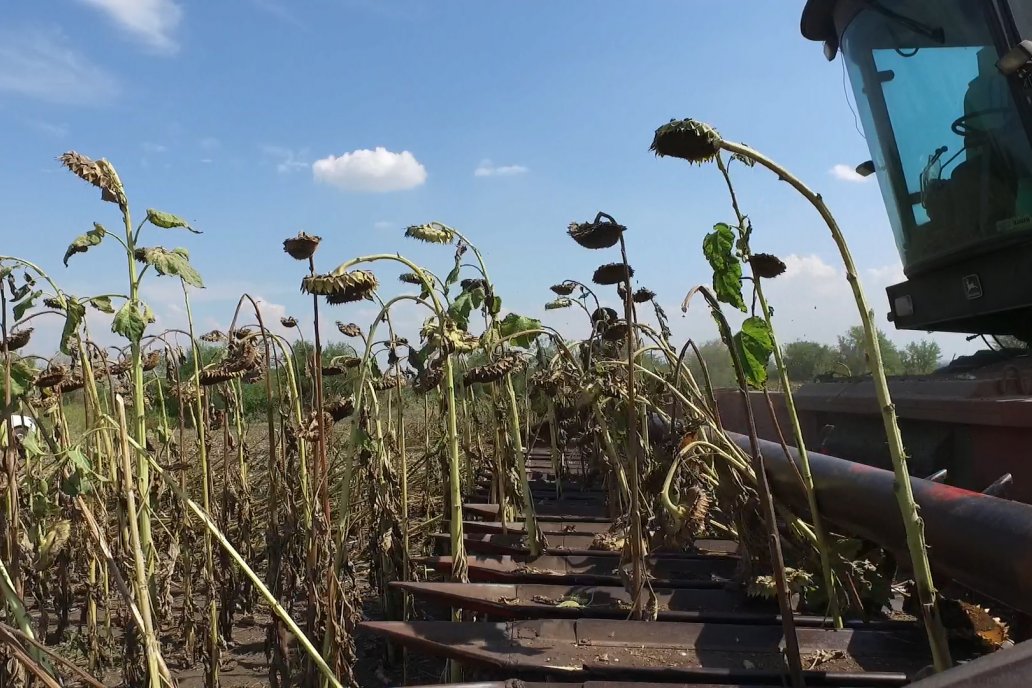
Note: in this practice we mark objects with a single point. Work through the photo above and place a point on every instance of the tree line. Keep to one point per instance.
(807, 360)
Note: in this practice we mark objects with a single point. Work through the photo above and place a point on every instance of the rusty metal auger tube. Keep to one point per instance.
(981, 542)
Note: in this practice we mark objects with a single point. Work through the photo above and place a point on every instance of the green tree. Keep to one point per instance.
(851, 352)
(921, 358)
(806, 360)
(718, 363)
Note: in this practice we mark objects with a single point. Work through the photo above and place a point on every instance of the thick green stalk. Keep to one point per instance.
(634, 449)
(529, 514)
(823, 548)
(500, 473)
(406, 573)
(467, 428)
(197, 414)
(609, 447)
(912, 523)
(139, 404)
(553, 445)
(403, 458)
(142, 589)
(460, 573)
(14, 602)
(10, 455)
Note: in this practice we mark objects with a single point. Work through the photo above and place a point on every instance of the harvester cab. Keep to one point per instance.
(943, 90)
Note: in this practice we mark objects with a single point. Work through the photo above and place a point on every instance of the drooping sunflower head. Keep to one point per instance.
(492, 372)
(687, 139)
(643, 295)
(556, 304)
(615, 331)
(563, 288)
(343, 287)
(432, 233)
(18, 339)
(302, 246)
(766, 265)
(612, 273)
(602, 232)
(349, 329)
(99, 173)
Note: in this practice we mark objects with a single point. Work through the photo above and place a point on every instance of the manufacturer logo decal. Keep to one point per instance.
(972, 287)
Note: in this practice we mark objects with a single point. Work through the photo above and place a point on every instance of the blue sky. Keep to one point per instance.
(258, 118)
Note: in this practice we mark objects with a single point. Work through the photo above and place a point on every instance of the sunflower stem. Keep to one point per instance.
(912, 522)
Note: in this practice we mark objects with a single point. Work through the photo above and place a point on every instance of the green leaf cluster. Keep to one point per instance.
(719, 248)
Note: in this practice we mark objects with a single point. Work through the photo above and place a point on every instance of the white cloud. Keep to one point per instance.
(383, 224)
(847, 174)
(149, 21)
(488, 169)
(370, 170)
(37, 64)
(209, 143)
(812, 300)
(153, 147)
(287, 160)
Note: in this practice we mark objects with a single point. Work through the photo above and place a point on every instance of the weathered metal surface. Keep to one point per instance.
(977, 425)
(516, 683)
(982, 542)
(560, 544)
(579, 570)
(1009, 668)
(572, 648)
(735, 677)
(709, 632)
(547, 527)
(535, 601)
(547, 511)
(532, 601)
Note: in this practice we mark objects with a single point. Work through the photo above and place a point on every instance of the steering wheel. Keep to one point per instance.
(962, 126)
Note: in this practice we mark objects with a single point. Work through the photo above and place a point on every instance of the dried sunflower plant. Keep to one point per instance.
(726, 249)
(286, 473)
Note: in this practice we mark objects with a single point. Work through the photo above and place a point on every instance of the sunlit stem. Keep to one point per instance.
(529, 514)
(197, 414)
(823, 547)
(912, 523)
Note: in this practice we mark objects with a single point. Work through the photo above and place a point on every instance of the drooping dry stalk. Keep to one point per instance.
(765, 498)
(11, 519)
(912, 523)
(823, 546)
(634, 449)
(15, 604)
(116, 574)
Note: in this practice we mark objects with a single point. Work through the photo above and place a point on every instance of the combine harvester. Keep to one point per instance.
(944, 93)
